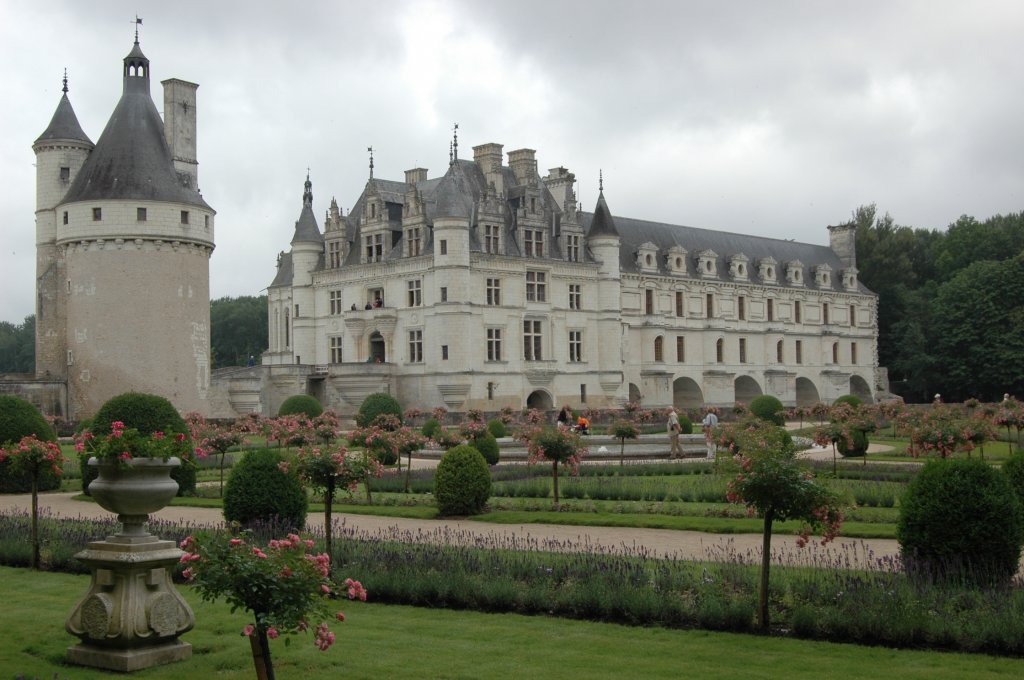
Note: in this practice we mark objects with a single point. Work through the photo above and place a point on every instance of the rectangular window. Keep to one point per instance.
(720, 350)
(835, 352)
(416, 347)
(97, 214)
(494, 292)
(444, 247)
(140, 214)
(709, 303)
(796, 311)
(65, 217)
(532, 339)
(853, 353)
(335, 301)
(494, 344)
(415, 293)
(374, 247)
(824, 313)
(184, 217)
(680, 304)
(444, 352)
(296, 311)
(743, 350)
(444, 293)
(492, 241)
(412, 241)
(375, 298)
(536, 286)
(771, 309)
(583, 394)
(853, 316)
(741, 308)
(648, 301)
(575, 346)
(680, 349)
(65, 174)
(333, 254)
(572, 248)
(206, 221)
(533, 242)
(575, 296)
(335, 349)
(799, 352)
(779, 352)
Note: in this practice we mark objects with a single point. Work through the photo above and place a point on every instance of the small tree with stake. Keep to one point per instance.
(327, 469)
(623, 430)
(34, 457)
(773, 486)
(556, 445)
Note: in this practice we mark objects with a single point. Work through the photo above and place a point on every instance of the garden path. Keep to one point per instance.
(690, 545)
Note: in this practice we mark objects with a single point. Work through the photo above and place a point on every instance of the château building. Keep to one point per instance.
(123, 243)
(489, 287)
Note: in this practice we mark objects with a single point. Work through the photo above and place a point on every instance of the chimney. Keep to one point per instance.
(523, 164)
(843, 241)
(559, 182)
(415, 176)
(180, 129)
(488, 157)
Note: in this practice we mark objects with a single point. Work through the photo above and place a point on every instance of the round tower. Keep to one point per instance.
(137, 238)
(60, 151)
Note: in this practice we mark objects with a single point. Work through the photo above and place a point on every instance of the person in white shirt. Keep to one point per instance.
(673, 433)
(710, 422)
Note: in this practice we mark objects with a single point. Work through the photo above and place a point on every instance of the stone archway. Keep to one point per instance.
(634, 394)
(686, 394)
(378, 350)
(540, 400)
(859, 387)
(746, 388)
(806, 392)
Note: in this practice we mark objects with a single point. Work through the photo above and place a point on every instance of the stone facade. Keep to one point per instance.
(123, 241)
(489, 287)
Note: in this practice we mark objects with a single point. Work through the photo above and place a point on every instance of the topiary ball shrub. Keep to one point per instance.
(375, 405)
(20, 418)
(851, 399)
(462, 482)
(147, 413)
(431, 428)
(488, 447)
(301, 404)
(685, 424)
(960, 520)
(768, 408)
(1013, 468)
(497, 429)
(259, 491)
(859, 448)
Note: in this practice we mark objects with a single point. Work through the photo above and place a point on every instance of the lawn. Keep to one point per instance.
(393, 641)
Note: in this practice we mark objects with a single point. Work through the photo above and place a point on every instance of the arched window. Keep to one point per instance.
(778, 352)
(720, 350)
(835, 352)
(659, 348)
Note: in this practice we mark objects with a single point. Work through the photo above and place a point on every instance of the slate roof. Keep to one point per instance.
(64, 125)
(131, 159)
(284, 272)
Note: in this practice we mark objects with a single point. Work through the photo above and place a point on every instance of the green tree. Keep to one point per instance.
(18, 346)
(238, 329)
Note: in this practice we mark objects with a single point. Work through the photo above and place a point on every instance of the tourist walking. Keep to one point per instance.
(709, 424)
(673, 433)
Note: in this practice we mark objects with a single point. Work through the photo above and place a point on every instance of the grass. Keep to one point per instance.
(407, 642)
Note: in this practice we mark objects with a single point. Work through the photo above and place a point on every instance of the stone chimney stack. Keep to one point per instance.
(488, 157)
(180, 129)
(523, 164)
(415, 176)
(843, 241)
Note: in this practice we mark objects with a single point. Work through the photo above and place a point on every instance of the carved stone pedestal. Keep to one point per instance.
(132, 615)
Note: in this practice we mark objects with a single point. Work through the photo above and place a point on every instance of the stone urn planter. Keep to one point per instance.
(132, 615)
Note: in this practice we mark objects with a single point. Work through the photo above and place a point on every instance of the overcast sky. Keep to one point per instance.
(769, 118)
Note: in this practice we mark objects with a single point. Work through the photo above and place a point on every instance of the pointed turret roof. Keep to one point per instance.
(454, 196)
(306, 228)
(602, 224)
(64, 124)
(131, 159)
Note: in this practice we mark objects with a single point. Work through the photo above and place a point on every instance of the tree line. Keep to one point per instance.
(950, 304)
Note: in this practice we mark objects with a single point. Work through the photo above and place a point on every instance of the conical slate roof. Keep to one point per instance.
(602, 224)
(131, 160)
(64, 124)
(453, 195)
(306, 228)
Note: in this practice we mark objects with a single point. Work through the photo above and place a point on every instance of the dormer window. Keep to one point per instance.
(850, 278)
(647, 257)
(675, 260)
(767, 268)
(823, 276)
(738, 267)
(707, 264)
(795, 273)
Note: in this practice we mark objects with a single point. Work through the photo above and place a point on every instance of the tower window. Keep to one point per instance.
(65, 217)
(444, 247)
(97, 214)
(65, 174)
(184, 217)
(444, 293)
(140, 214)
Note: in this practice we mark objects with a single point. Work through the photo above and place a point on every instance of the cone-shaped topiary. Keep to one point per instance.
(462, 482)
(20, 418)
(147, 413)
(374, 405)
(258, 490)
(488, 447)
(767, 408)
(497, 428)
(304, 404)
